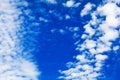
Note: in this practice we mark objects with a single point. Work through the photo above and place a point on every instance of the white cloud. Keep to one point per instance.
(115, 48)
(17, 69)
(49, 1)
(90, 44)
(87, 67)
(115, 1)
(84, 36)
(100, 57)
(110, 10)
(73, 29)
(99, 37)
(71, 3)
(13, 66)
(82, 58)
(109, 35)
(52, 1)
(43, 19)
(67, 16)
(89, 30)
(62, 31)
(87, 8)
(102, 47)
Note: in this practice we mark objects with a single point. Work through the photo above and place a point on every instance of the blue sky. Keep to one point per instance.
(60, 39)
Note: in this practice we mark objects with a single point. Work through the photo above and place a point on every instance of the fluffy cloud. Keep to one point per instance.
(99, 36)
(71, 3)
(87, 8)
(13, 66)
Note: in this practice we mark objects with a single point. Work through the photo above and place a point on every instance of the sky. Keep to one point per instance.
(59, 39)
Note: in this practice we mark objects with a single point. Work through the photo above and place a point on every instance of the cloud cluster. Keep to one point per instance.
(99, 36)
(12, 65)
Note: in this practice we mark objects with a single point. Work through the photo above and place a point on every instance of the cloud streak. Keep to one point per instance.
(98, 38)
(13, 66)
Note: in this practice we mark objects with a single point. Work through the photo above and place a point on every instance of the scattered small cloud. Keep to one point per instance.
(67, 17)
(71, 3)
(49, 1)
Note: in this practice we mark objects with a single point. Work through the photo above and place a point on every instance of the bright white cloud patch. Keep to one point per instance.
(71, 3)
(87, 8)
(12, 65)
(100, 34)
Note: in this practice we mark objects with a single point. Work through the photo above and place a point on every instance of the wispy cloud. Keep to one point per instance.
(13, 66)
(49, 1)
(99, 36)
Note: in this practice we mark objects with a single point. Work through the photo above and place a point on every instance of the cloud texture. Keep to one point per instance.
(99, 37)
(13, 66)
